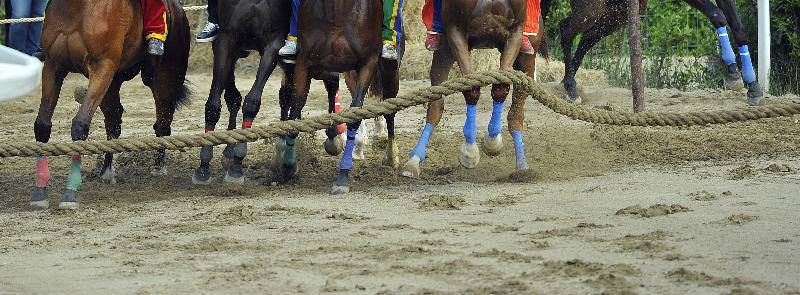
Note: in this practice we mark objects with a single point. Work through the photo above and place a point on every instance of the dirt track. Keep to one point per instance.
(724, 217)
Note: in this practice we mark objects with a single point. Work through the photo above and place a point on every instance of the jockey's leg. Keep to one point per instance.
(209, 33)
(432, 17)
(290, 48)
(531, 27)
(155, 25)
(392, 27)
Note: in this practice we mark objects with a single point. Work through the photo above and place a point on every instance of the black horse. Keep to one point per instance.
(598, 19)
(250, 25)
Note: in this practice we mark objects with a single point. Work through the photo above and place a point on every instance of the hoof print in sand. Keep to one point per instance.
(779, 168)
(441, 202)
(742, 172)
(706, 196)
(652, 211)
(738, 219)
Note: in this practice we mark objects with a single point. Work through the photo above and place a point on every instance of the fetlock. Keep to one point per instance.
(754, 94)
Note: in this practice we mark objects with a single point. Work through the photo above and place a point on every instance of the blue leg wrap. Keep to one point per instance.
(422, 145)
(748, 73)
(347, 158)
(496, 123)
(470, 125)
(519, 149)
(725, 43)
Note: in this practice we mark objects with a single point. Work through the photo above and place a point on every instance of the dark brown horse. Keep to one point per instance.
(341, 36)
(478, 24)
(103, 41)
(598, 19)
(260, 26)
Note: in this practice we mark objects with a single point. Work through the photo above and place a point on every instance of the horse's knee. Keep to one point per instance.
(250, 108)
(80, 129)
(472, 96)
(717, 17)
(42, 130)
(212, 112)
(500, 92)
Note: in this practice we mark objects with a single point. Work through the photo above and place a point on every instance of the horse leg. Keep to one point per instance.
(469, 153)
(52, 79)
(302, 82)
(440, 67)
(607, 24)
(224, 60)
(733, 79)
(585, 14)
(112, 113)
(334, 144)
(754, 93)
(492, 142)
(390, 85)
(285, 100)
(516, 115)
(365, 74)
(101, 74)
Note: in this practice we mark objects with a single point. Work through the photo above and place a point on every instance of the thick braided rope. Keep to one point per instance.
(40, 19)
(417, 97)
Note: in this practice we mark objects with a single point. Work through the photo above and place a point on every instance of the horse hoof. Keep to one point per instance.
(109, 175)
(411, 169)
(340, 190)
(469, 156)
(39, 198)
(158, 172)
(734, 85)
(573, 100)
(392, 160)
(289, 171)
(335, 146)
(754, 94)
(226, 162)
(233, 179)
(69, 201)
(80, 94)
(733, 78)
(358, 151)
(522, 165)
(492, 146)
(379, 132)
(202, 175)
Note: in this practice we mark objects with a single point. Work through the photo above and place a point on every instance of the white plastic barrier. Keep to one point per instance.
(19, 73)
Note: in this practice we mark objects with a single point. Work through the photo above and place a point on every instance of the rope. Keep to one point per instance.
(40, 19)
(417, 97)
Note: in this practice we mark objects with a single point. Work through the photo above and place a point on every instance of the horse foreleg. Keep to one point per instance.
(101, 74)
(365, 75)
(516, 115)
(222, 79)
(52, 79)
(469, 153)
(754, 93)
(440, 67)
(390, 85)
(112, 113)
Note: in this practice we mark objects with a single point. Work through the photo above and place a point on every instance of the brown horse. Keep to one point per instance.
(103, 40)
(341, 36)
(478, 24)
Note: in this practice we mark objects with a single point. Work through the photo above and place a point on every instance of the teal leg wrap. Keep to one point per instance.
(74, 181)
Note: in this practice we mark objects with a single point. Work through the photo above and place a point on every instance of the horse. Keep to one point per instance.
(261, 26)
(480, 24)
(342, 36)
(598, 19)
(103, 40)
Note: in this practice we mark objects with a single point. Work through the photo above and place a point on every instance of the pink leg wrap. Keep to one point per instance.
(42, 172)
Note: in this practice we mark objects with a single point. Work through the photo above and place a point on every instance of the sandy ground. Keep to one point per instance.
(604, 209)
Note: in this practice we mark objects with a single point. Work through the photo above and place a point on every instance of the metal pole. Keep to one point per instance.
(637, 74)
(763, 44)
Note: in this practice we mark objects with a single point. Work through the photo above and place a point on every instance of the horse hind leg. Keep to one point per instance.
(390, 85)
(516, 115)
(112, 113)
(334, 144)
(52, 80)
(754, 92)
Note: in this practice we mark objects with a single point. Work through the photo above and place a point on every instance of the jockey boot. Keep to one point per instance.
(208, 34)
(389, 52)
(288, 49)
(433, 41)
(525, 46)
(155, 46)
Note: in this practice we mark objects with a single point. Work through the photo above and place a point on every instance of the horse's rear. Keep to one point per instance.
(103, 40)
(471, 24)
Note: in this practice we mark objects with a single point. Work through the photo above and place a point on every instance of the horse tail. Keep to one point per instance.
(178, 35)
(544, 48)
